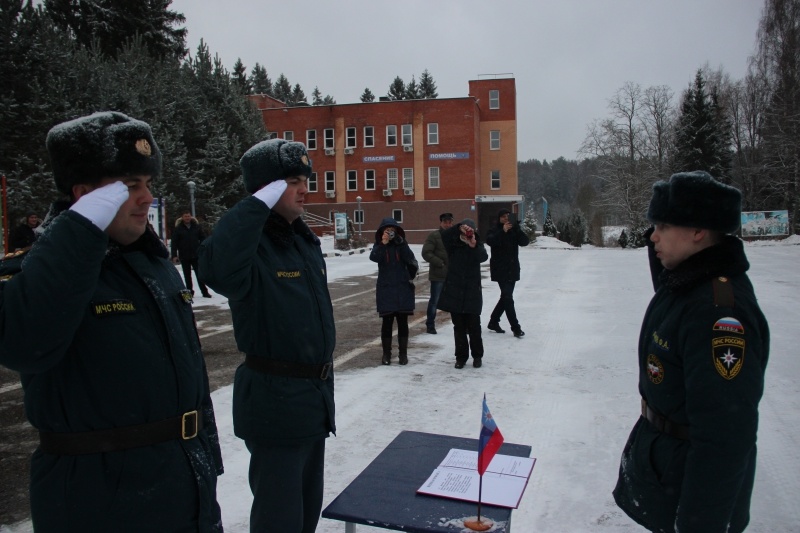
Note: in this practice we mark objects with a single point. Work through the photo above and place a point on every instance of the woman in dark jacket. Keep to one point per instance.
(394, 296)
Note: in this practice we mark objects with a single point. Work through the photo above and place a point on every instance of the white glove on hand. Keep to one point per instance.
(271, 193)
(101, 205)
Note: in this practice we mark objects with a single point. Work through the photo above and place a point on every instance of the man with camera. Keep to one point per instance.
(504, 240)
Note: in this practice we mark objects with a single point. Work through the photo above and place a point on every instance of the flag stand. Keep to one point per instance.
(478, 524)
(489, 442)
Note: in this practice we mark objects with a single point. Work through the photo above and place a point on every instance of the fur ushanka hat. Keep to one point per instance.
(273, 160)
(696, 200)
(102, 145)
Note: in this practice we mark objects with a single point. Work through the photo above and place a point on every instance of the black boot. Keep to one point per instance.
(403, 350)
(494, 326)
(386, 342)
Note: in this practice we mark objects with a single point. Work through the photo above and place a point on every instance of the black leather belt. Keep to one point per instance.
(664, 424)
(288, 369)
(184, 427)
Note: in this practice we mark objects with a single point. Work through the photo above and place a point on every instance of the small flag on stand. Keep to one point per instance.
(489, 442)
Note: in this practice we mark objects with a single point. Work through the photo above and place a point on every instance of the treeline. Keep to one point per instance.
(744, 132)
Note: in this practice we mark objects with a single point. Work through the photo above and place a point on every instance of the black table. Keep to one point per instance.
(385, 495)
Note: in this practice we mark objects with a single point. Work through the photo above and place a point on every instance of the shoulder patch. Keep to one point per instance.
(113, 307)
(728, 355)
(729, 324)
(655, 369)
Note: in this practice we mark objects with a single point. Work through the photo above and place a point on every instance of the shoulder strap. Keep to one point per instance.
(723, 292)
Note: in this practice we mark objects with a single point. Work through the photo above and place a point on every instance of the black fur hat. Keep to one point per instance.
(696, 200)
(272, 160)
(102, 145)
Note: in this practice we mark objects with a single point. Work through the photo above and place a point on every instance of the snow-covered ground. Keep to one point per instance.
(568, 389)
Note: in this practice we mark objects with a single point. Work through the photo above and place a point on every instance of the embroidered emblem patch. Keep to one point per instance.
(304, 159)
(143, 147)
(113, 307)
(186, 296)
(660, 342)
(655, 370)
(729, 324)
(728, 353)
(288, 273)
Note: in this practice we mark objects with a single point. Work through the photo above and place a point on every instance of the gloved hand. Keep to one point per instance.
(101, 205)
(271, 193)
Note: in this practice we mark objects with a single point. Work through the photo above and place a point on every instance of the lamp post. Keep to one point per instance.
(191, 186)
(360, 218)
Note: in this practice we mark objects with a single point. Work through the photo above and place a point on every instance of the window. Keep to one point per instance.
(272, 135)
(495, 179)
(311, 139)
(330, 181)
(397, 214)
(433, 177)
(369, 180)
(358, 216)
(433, 133)
(494, 140)
(408, 178)
(494, 99)
(369, 136)
(391, 178)
(312, 182)
(288, 135)
(352, 180)
(329, 138)
(391, 135)
(407, 140)
(350, 134)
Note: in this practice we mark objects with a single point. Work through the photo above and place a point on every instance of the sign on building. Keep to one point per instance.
(765, 223)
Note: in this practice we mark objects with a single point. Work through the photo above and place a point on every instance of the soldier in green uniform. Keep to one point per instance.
(269, 265)
(100, 327)
(690, 460)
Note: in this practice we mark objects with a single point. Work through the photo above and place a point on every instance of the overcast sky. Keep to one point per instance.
(568, 56)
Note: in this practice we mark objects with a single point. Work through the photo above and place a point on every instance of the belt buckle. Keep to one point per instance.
(189, 418)
(326, 369)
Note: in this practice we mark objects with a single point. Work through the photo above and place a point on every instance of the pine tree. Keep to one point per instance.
(240, 77)
(528, 224)
(623, 239)
(397, 90)
(282, 89)
(367, 96)
(259, 81)
(577, 226)
(549, 228)
(316, 97)
(427, 87)
(412, 90)
(298, 97)
(328, 100)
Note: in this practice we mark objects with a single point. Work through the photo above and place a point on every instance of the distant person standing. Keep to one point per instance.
(24, 235)
(462, 296)
(504, 239)
(394, 294)
(690, 460)
(435, 254)
(186, 239)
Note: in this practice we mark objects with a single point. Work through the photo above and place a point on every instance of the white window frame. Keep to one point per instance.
(350, 138)
(352, 180)
(408, 178)
(391, 178)
(434, 180)
(369, 175)
(433, 133)
(313, 183)
(330, 142)
(494, 99)
(311, 139)
(494, 177)
(407, 135)
(358, 216)
(494, 139)
(288, 136)
(397, 215)
(391, 135)
(330, 179)
(369, 136)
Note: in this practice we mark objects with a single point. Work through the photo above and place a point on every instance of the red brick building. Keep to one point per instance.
(408, 159)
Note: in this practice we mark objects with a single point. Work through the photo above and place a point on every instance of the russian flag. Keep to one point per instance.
(490, 439)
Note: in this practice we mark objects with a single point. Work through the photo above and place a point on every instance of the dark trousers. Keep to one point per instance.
(436, 291)
(467, 325)
(505, 304)
(187, 266)
(402, 325)
(287, 483)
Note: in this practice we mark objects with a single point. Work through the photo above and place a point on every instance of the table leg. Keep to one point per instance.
(349, 527)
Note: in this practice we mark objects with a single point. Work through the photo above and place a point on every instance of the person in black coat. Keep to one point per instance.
(186, 240)
(23, 236)
(394, 294)
(505, 239)
(462, 296)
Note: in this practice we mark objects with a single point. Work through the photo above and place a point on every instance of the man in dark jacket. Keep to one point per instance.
(269, 264)
(505, 239)
(23, 236)
(462, 294)
(186, 241)
(690, 460)
(100, 327)
(434, 252)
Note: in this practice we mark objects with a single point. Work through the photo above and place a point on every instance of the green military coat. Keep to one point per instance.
(275, 278)
(104, 337)
(434, 252)
(701, 364)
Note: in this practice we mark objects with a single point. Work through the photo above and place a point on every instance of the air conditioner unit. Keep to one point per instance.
(387, 192)
(408, 148)
(408, 192)
(349, 151)
(330, 194)
(330, 151)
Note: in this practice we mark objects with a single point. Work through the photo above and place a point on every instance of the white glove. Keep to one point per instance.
(101, 205)
(271, 193)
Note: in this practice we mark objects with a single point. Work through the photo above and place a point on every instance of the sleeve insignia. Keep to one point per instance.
(655, 369)
(728, 355)
(729, 324)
